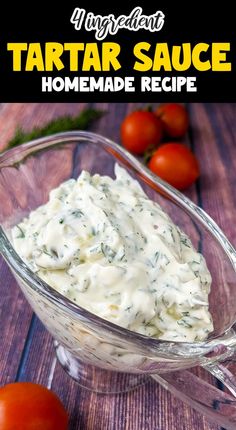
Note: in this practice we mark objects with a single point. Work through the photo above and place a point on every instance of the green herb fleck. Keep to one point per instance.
(185, 314)
(77, 213)
(165, 302)
(93, 231)
(45, 251)
(108, 252)
(122, 257)
(54, 253)
(21, 234)
(184, 323)
(185, 241)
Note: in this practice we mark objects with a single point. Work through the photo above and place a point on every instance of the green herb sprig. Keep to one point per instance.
(65, 123)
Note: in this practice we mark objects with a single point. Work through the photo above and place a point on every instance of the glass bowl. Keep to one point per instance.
(98, 354)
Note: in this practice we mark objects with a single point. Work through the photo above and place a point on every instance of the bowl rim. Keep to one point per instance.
(15, 155)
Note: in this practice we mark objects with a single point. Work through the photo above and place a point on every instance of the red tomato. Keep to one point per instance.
(140, 130)
(175, 119)
(28, 406)
(176, 164)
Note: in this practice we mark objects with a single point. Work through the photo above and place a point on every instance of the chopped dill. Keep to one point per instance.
(77, 213)
(21, 234)
(184, 323)
(108, 252)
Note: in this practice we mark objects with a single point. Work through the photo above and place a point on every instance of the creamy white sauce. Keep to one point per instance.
(109, 248)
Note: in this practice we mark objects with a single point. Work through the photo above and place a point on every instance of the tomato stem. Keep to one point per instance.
(148, 108)
(148, 153)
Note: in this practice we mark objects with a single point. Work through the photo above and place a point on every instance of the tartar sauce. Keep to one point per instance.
(109, 248)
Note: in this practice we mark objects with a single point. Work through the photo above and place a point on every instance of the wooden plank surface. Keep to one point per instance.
(26, 350)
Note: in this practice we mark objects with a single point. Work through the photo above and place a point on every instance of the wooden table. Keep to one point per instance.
(26, 350)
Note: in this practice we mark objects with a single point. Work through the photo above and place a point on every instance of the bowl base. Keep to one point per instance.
(95, 379)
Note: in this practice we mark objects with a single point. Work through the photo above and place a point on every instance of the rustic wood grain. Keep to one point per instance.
(26, 350)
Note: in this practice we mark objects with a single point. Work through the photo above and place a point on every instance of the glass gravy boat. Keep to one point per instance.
(98, 354)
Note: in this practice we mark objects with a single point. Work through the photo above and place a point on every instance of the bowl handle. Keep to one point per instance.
(217, 405)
